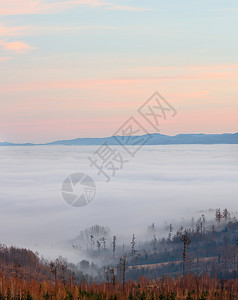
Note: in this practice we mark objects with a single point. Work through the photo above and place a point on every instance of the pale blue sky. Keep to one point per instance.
(48, 47)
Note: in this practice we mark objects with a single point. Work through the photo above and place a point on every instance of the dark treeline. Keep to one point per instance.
(202, 246)
(24, 264)
(211, 249)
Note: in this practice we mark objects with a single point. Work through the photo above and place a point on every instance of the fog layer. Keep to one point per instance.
(160, 184)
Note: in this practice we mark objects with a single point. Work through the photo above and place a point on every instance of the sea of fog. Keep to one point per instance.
(161, 184)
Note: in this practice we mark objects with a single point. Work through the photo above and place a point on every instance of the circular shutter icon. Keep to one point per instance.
(78, 189)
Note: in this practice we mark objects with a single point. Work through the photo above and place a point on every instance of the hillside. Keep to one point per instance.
(148, 139)
(196, 262)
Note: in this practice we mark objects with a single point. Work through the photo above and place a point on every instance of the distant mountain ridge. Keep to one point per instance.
(149, 139)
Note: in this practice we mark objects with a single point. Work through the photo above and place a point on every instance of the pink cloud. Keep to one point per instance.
(191, 95)
(17, 46)
(5, 58)
(6, 31)
(105, 83)
(205, 68)
(19, 7)
(48, 130)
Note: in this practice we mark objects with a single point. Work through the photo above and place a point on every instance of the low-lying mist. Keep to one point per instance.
(161, 185)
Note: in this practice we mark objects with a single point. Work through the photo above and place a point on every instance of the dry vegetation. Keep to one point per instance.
(189, 288)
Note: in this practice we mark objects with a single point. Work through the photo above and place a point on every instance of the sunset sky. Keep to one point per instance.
(81, 68)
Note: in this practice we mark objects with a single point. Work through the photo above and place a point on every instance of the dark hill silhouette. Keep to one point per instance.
(152, 139)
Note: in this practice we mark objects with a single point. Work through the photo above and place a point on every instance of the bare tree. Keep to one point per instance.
(151, 228)
(17, 269)
(186, 241)
(218, 216)
(198, 225)
(103, 239)
(110, 275)
(63, 266)
(179, 231)
(54, 267)
(192, 224)
(106, 274)
(213, 228)
(133, 244)
(154, 243)
(170, 232)
(98, 246)
(92, 241)
(203, 224)
(122, 266)
(114, 246)
(226, 215)
(112, 272)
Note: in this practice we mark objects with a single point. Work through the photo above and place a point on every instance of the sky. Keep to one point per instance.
(81, 68)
